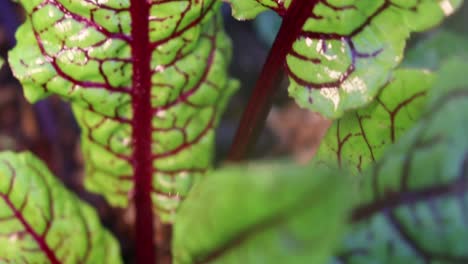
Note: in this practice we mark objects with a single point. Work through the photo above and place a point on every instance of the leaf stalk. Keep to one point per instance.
(260, 102)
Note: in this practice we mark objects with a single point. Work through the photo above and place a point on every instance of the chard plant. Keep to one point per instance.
(147, 81)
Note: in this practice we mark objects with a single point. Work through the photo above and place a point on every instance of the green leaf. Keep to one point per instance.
(413, 203)
(347, 50)
(360, 137)
(159, 121)
(249, 9)
(274, 212)
(432, 50)
(42, 222)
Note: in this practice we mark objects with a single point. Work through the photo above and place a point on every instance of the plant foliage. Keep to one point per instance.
(174, 90)
(42, 222)
(262, 215)
(147, 83)
(347, 50)
(412, 206)
(359, 138)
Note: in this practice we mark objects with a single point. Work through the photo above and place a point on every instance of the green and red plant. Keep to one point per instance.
(148, 84)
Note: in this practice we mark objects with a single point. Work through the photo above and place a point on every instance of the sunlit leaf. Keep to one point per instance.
(248, 9)
(414, 200)
(274, 212)
(42, 222)
(347, 49)
(147, 97)
(360, 137)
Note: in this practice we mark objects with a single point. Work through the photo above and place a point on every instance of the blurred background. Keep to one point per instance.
(48, 128)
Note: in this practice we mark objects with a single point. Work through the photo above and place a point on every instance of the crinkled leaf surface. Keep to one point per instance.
(360, 137)
(413, 207)
(273, 212)
(41, 222)
(348, 49)
(146, 97)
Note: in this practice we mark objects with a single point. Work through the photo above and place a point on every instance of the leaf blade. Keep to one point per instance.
(84, 52)
(38, 214)
(347, 51)
(360, 137)
(415, 195)
(255, 228)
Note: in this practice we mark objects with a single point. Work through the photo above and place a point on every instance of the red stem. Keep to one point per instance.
(141, 131)
(253, 119)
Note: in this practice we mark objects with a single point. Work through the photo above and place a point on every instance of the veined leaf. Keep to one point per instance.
(147, 82)
(41, 222)
(347, 50)
(274, 212)
(248, 9)
(360, 137)
(413, 203)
